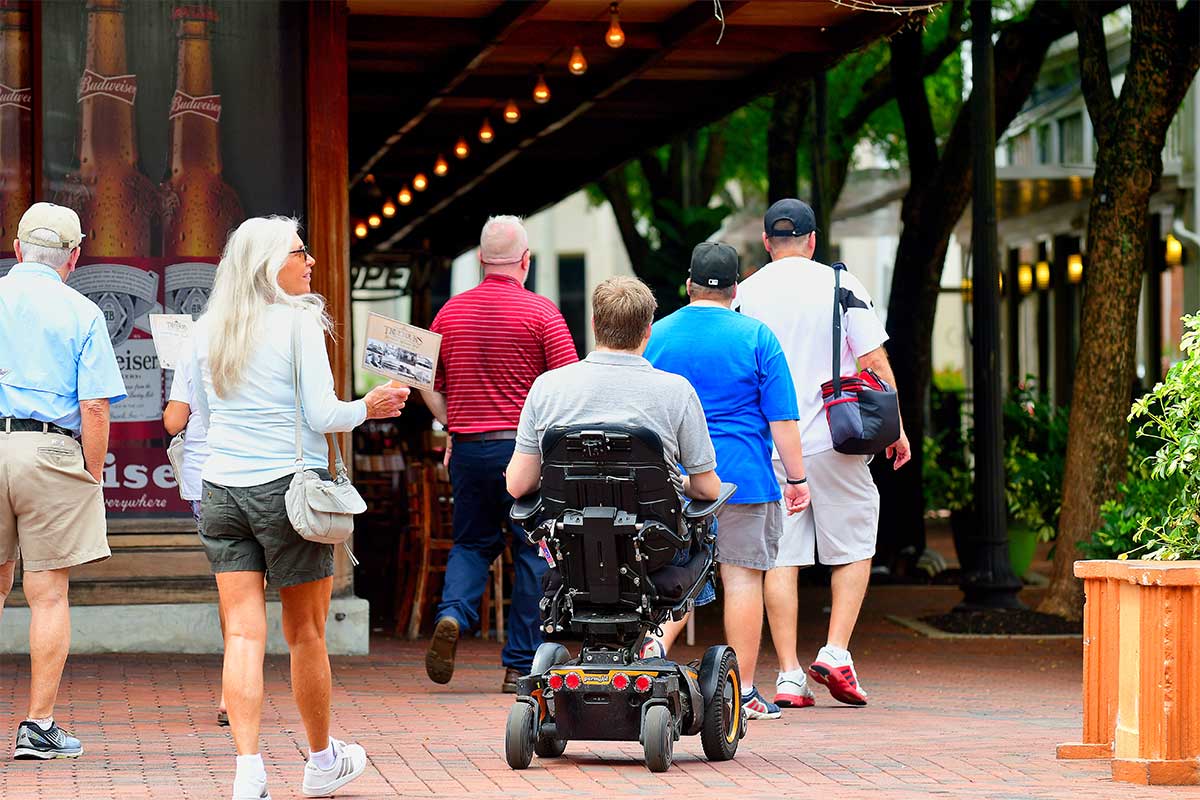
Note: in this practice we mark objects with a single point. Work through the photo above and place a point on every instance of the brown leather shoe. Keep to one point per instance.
(439, 659)
(511, 676)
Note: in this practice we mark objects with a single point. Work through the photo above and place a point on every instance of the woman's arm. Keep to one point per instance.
(175, 416)
(322, 409)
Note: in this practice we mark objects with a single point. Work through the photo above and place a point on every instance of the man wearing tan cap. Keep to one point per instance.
(55, 391)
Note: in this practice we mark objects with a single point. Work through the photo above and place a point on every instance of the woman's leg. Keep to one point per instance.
(305, 607)
(243, 604)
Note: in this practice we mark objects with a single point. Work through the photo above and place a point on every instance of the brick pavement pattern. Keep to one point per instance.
(948, 718)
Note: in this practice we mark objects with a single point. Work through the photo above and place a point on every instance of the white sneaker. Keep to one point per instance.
(349, 762)
(250, 787)
(652, 647)
(791, 690)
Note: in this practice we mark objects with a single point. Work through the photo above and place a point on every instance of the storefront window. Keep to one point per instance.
(164, 126)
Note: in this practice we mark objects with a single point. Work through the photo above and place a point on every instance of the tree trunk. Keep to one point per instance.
(935, 201)
(783, 139)
(615, 187)
(1164, 56)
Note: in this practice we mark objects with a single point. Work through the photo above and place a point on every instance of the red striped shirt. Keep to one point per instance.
(496, 339)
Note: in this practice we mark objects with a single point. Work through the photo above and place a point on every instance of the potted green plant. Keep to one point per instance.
(1035, 439)
(1141, 643)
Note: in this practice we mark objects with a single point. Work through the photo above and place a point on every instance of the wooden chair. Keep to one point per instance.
(431, 533)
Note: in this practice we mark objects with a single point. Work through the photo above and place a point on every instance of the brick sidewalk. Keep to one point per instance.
(947, 719)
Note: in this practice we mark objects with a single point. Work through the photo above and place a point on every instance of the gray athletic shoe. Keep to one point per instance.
(350, 760)
(34, 742)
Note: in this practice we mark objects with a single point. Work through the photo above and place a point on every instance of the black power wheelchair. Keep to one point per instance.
(608, 517)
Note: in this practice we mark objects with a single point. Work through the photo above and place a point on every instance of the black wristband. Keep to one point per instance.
(791, 482)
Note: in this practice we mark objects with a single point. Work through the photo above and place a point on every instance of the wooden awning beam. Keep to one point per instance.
(620, 74)
(507, 18)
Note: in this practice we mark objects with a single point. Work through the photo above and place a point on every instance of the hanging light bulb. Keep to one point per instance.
(389, 209)
(374, 221)
(541, 90)
(360, 230)
(460, 148)
(486, 134)
(1025, 278)
(405, 196)
(511, 112)
(1043, 274)
(440, 167)
(1075, 268)
(615, 36)
(577, 64)
(420, 181)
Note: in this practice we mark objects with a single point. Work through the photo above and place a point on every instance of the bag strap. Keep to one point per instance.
(339, 465)
(837, 268)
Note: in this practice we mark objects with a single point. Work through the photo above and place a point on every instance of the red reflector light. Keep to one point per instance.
(643, 683)
(573, 680)
(556, 682)
(620, 681)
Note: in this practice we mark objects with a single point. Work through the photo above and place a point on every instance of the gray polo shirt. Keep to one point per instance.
(620, 389)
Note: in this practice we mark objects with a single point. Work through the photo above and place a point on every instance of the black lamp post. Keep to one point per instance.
(990, 583)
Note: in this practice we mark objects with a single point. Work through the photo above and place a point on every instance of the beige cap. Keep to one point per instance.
(50, 225)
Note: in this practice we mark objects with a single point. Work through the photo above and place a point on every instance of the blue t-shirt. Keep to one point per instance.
(741, 376)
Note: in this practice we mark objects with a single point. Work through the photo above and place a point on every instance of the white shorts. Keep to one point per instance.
(841, 523)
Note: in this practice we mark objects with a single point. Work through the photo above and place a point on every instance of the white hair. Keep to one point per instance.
(52, 257)
(503, 240)
(247, 282)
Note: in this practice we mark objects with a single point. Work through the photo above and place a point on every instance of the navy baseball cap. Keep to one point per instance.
(789, 217)
(714, 265)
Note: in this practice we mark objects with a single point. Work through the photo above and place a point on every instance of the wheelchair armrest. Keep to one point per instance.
(526, 508)
(698, 509)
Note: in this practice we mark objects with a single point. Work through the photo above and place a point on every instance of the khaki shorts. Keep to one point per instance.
(840, 525)
(51, 508)
(748, 534)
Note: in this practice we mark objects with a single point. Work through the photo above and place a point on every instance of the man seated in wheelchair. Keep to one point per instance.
(596, 471)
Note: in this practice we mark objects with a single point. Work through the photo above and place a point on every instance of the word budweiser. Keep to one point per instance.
(118, 87)
(21, 98)
(208, 106)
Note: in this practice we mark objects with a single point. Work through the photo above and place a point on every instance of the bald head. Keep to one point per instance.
(503, 244)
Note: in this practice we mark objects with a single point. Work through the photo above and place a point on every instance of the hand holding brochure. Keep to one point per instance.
(405, 353)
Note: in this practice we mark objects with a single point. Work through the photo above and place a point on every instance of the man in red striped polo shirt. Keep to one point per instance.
(496, 339)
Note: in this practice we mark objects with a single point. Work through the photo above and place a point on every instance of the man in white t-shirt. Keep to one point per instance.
(793, 296)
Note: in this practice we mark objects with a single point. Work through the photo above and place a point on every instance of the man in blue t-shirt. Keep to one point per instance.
(741, 375)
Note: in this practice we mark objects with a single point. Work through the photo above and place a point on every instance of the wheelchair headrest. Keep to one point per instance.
(582, 444)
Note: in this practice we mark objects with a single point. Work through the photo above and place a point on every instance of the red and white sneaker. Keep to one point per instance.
(837, 674)
(652, 647)
(791, 690)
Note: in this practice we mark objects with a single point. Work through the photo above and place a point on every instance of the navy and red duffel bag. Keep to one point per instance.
(863, 411)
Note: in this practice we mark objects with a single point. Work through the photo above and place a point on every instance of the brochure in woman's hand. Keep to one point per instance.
(405, 353)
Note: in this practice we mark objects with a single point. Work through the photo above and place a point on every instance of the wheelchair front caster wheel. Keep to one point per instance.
(519, 736)
(658, 738)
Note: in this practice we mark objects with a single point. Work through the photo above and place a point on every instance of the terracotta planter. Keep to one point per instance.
(1141, 670)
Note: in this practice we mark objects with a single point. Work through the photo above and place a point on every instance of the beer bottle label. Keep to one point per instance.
(118, 87)
(21, 98)
(207, 106)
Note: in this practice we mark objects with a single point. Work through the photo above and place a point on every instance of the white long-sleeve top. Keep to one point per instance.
(250, 432)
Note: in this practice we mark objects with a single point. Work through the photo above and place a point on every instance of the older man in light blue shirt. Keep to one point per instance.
(58, 375)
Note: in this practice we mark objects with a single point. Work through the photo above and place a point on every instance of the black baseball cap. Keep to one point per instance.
(714, 265)
(789, 217)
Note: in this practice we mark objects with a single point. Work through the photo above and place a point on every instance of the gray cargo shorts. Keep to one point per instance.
(246, 529)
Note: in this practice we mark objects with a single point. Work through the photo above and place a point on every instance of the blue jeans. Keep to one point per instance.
(481, 524)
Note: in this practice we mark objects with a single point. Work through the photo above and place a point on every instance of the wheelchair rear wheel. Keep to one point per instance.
(724, 721)
(519, 736)
(549, 654)
(658, 738)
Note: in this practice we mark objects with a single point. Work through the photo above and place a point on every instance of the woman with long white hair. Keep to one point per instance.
(243, 352)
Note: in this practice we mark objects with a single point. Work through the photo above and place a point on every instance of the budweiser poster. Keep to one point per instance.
(156, 135)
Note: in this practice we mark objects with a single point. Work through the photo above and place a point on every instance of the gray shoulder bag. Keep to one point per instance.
(321, 511)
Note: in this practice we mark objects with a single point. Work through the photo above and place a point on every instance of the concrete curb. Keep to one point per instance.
(182, 628)
(933, 633)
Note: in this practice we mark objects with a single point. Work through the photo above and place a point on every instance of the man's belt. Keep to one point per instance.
(11, 425)
(486, 436)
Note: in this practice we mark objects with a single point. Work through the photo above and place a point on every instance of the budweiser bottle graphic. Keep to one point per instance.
(116, 203)
(200, 208)
(16, 118)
